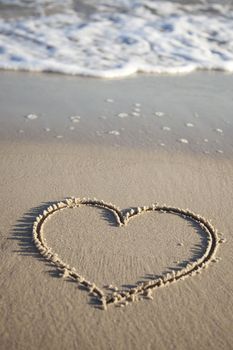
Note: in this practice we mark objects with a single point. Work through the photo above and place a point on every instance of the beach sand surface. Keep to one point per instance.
(40, 310)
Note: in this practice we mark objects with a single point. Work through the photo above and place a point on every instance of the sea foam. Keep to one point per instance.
(146, 36)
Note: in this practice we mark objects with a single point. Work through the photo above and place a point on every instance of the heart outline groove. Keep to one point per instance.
(144, 289)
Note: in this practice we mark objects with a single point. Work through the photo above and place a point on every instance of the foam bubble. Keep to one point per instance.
(31, 116)
(75, 119)
(183, 140)
(166, 128)
(114, 132)
(159, 114)
(220, 131)
(122, 115)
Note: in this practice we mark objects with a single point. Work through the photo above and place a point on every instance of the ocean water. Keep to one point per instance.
(115, 38)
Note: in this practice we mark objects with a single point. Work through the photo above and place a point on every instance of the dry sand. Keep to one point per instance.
(41, 310)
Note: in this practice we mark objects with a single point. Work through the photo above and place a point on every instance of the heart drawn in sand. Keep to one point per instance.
(144, 289)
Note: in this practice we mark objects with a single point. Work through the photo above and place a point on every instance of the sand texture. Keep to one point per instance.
(44, 303)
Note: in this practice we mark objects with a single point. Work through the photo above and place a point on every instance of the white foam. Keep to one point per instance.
(147, 36)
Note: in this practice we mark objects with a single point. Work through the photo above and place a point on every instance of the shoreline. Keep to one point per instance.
(105, 112)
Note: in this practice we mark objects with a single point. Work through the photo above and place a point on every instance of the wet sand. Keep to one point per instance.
(130, 168)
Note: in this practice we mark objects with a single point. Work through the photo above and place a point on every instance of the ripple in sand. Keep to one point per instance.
(31, 116)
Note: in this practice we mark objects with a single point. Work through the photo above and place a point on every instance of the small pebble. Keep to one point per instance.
(21, 131)
(59, 136)
(109, 100)
(206, 140)
(166, 128)
(219, 151)
(47, 129)
(72, 128)
(189, 125)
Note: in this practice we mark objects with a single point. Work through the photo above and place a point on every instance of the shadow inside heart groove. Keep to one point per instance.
(112, 248)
